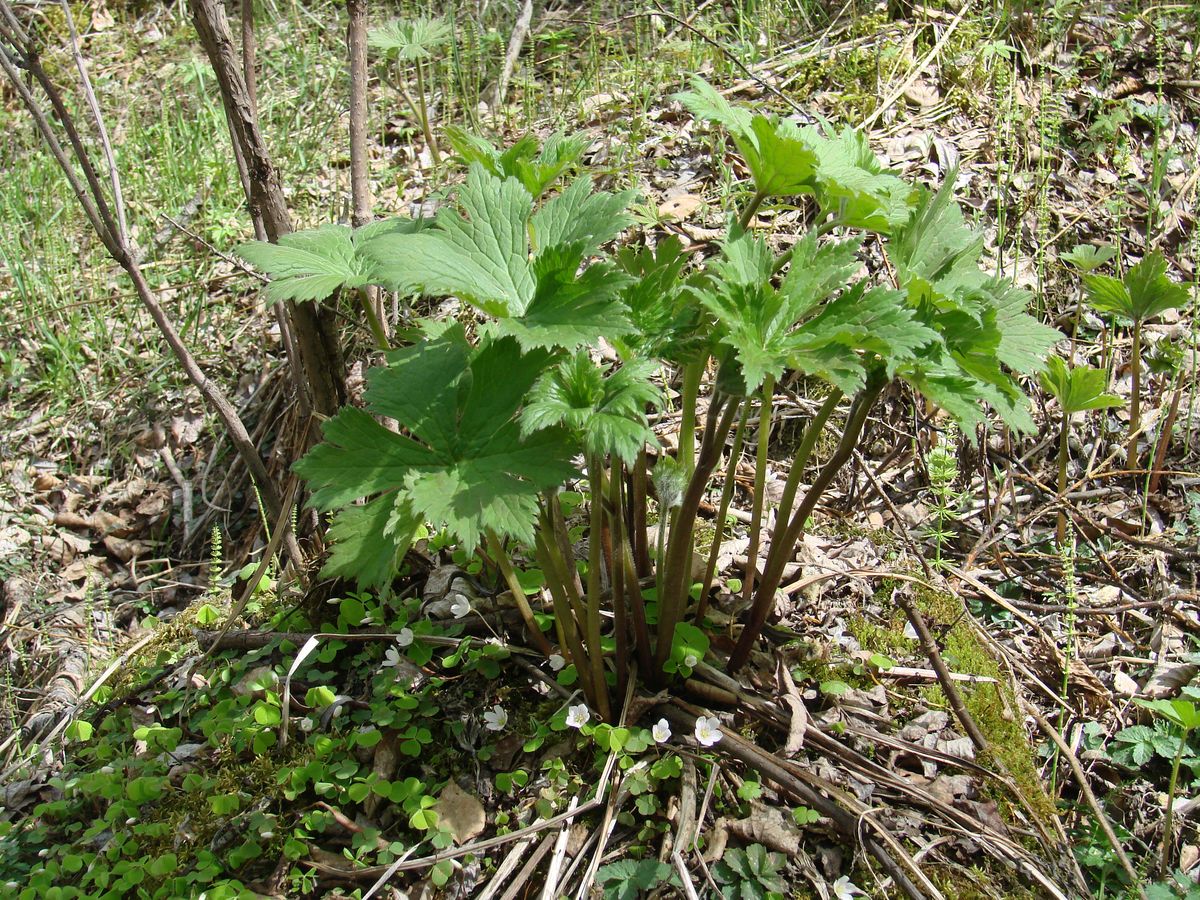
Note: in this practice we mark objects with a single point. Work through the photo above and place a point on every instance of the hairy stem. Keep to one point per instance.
(692, 373)
(641, 543)
(1063, 451)
(751, 208)
(500, 557)
(760, 484)
(616, 521)
(812, 433)
(1135, 398)
(1164, 860)
(423, 113)
(592, 627)
(677, 565)
(783, 546)
(710, 570)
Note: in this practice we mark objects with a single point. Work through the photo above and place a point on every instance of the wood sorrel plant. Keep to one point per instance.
(497, 418)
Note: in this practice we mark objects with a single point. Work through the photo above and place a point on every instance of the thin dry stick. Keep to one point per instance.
(917, 69)
(515, 42)
(283, 526)
(1088, 794)
(105, 144)
(949, 688)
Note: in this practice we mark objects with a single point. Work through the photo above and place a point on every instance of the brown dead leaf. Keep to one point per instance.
(680, 207)
(125, 550)
(461, 813)
(923, 94)
(767, 825)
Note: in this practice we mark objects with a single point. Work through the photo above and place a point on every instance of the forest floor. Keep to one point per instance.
(135, 763)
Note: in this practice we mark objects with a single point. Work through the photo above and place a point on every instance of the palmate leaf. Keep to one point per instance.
(807, 323)
(313, 264)
(1077, 389)
(666, 322)
(1144, 292)
(536, 168)
(980, 319)
(368, 540)
(484, 258)
(466, 468)
(608, 410)
(853, 184)
(787, 159)
(410, 40)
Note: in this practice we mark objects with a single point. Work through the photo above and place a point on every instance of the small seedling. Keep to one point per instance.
(1077, 390)
(414, 41)
(1144, 292)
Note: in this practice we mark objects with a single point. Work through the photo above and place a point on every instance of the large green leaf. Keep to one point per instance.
(466, 467)
(666, 320)
(787, 159)
(607, 410)
(313, 264)
(979, 319)
(812, 321)
(415, 39)
(367, 541)
(536, 168)
(483, 256)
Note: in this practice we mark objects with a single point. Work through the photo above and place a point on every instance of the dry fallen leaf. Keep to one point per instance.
(680, 207)
(460, 813)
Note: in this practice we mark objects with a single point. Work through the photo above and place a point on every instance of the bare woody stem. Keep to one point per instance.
(360, 181)
(312, 327)
(783, 545)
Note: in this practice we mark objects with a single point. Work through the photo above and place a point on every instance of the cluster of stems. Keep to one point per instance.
(621, 568)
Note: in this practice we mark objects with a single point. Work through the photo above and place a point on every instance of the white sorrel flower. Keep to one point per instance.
(404, 638)
(391, 657)
(691, 661)
(708, 730)
(661, 731)
(557, 662)
(461, 606)
(496, 718)
(578, 715)
(844, 889)
(307, 724)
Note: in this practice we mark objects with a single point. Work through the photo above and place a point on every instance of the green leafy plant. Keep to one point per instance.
(628, 879)
(414, 42)
(1144, 292)
(942, 466)
(751, 874)
(1077, 390)
(493, 420)
(536, 167)
(1184, 717)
